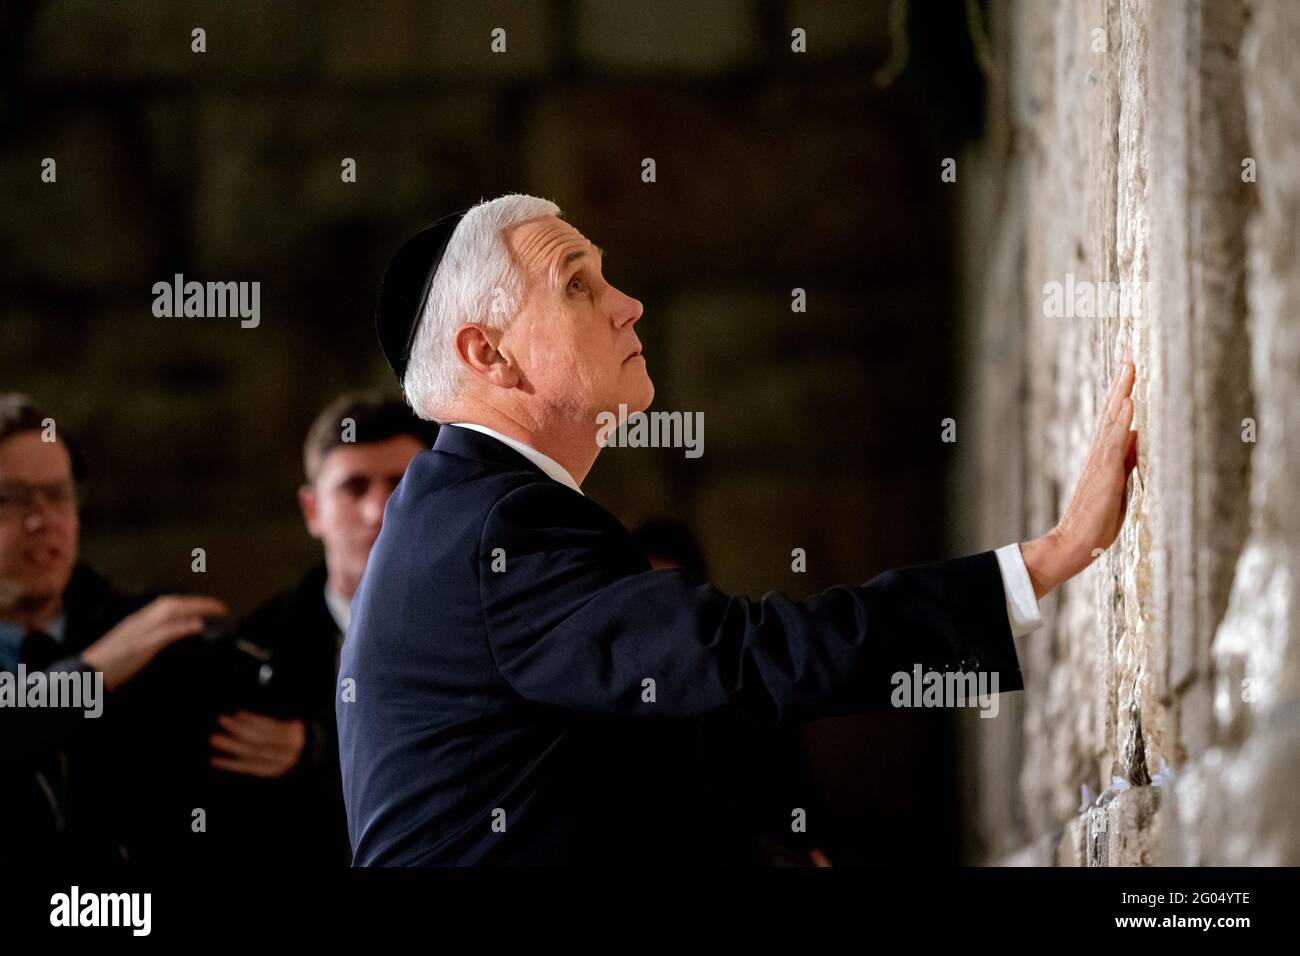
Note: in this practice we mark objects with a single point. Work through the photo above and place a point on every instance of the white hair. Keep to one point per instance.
(478, 281)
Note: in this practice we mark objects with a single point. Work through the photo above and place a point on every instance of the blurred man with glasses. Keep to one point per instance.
(75, 788)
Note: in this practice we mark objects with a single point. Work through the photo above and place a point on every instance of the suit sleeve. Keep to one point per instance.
(576, 620)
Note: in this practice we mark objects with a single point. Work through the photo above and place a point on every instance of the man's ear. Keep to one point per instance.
(477, 353)
(308, 503)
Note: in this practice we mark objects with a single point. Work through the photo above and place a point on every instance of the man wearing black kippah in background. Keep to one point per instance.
(519, 685)
(275, 752)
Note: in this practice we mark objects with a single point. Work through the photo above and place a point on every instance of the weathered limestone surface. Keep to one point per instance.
(1118, 150)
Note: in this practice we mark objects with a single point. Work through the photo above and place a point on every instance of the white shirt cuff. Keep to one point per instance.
(1022, 606)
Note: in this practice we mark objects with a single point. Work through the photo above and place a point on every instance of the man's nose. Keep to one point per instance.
(627, 311)
(372, 508)
(40, 513)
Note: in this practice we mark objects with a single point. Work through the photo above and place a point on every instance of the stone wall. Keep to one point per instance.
(1124, 136)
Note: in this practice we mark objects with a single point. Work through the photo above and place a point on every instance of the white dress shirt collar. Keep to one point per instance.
(550, 466)
(340, 609)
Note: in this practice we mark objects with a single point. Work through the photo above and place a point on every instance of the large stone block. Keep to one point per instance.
(1238, 806)
(400, 40)
(1042, 852)
(1124, 831)
(128, 41)
(269, 175)
(1072, 850)
(96, 223)
(836, 27)
(787, 204)
(673, 36)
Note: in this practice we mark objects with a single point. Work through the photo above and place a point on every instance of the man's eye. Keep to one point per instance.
(58, 494)
(575, 279)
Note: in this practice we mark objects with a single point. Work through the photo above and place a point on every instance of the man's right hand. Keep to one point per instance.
(125, 650)
(1096, 510)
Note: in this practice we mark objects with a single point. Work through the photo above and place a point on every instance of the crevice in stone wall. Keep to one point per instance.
(1135, 754)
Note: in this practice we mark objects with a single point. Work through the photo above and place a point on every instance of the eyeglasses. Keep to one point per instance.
(18, 498)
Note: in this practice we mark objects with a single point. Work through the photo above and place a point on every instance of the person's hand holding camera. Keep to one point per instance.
(125, 650)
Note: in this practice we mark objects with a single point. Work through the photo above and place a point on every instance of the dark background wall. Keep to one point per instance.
(775, 170)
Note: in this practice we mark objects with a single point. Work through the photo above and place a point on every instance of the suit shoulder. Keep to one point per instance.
(482, 490)
(547, 502)
(437, 472)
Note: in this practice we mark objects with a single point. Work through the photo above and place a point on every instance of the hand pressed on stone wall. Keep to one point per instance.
(1096, 511)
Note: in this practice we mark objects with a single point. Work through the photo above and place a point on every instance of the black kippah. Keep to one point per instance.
(405, 286)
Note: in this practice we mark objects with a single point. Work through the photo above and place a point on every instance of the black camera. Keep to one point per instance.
(241, 673)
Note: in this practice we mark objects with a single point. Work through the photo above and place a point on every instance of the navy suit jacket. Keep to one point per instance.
(518, 686)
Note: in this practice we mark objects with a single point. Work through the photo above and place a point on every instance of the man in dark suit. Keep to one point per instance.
(276, 755)
(76, 786)
(518, 684)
